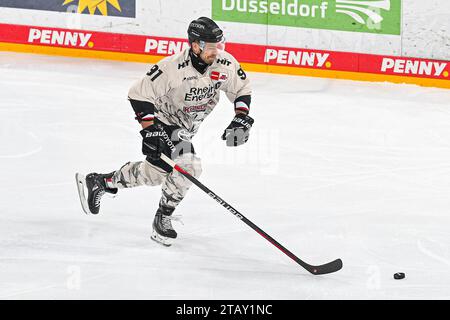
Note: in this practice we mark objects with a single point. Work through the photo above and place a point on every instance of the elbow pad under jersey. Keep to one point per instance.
(144, 110)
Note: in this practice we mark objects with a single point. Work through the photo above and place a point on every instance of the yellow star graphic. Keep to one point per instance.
(93, 5)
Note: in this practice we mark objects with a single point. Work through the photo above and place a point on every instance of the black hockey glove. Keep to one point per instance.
(238, 131)
(156, 141)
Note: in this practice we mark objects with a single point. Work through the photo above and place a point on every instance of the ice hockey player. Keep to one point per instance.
(170, 103)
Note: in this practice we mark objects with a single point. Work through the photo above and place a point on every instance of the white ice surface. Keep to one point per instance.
(333, 169)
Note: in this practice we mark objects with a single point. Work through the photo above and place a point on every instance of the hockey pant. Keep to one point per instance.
(174, 184)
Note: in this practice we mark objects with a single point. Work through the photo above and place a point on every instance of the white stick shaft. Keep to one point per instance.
(167, 160)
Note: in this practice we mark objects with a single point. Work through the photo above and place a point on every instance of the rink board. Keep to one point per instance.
(259, 58)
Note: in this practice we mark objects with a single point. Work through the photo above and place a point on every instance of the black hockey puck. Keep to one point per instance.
(399, 276)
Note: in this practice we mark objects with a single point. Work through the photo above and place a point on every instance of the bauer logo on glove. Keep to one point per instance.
(156, 141)
(238, 131)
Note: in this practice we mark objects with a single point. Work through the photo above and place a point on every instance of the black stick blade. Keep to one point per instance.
(329, 267)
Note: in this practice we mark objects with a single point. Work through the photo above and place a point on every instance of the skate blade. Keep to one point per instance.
(165, 241)
(81, 183)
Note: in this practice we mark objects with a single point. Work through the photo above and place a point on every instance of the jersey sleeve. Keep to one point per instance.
(238, 89)
(144, 92)
(154, 85)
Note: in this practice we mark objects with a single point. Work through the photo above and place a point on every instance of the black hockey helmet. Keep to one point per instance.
(204, 29)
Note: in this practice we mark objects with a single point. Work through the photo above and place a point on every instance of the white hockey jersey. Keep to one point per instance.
(183, 96)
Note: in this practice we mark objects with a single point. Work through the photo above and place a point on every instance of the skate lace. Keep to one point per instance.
(98, 197)
(177, 218)
(167, 221)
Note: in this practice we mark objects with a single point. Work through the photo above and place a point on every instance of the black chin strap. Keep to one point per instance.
(197, 62)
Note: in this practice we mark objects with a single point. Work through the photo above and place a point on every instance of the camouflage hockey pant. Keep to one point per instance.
(174, 184)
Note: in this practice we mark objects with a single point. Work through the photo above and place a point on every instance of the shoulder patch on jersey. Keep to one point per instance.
(223, 61)
(184, 64)
(177, 61)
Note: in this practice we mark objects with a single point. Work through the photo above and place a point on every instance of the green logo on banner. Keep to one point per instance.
(371, 16)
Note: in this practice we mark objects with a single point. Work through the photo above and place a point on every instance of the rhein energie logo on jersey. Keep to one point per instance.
(198, 94)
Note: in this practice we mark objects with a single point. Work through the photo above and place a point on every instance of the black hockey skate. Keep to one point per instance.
(95, 186)
(163, 231)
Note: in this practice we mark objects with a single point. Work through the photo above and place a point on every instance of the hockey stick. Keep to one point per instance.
(330, 267)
